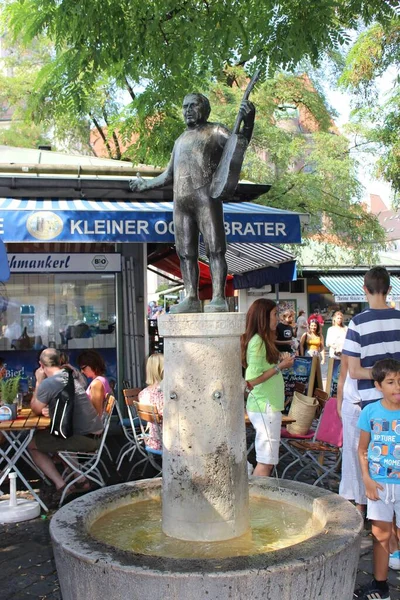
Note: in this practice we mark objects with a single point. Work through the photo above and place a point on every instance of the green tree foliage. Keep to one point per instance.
(297, 149)
(375, 53)
(153, 53)
(171, 46)
(20, 68)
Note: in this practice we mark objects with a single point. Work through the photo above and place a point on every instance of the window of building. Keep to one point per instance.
(64, 311)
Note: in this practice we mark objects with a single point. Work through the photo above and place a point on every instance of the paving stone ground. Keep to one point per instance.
(27, 569)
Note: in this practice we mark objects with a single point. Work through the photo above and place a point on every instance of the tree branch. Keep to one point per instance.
(102, 135)
(129, 88)
(163, 34)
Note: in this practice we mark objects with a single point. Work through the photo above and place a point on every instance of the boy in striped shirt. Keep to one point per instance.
(372, 335)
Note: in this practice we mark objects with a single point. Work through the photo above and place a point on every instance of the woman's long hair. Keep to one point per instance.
(318, 332)
(335, 314)
(258, 322)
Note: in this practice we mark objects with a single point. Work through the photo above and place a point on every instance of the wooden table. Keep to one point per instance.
(18, 433)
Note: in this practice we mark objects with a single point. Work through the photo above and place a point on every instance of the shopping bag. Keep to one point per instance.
(302, 409)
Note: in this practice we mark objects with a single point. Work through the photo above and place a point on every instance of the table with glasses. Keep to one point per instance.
(18, 433)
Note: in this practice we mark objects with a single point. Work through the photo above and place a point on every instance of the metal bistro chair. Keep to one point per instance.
(148, 413)
(327, 442)
(131, 396)
(286, 436)
(86, 464)
(129, 426)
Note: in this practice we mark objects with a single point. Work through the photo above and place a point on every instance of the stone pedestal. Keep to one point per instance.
(205, 484)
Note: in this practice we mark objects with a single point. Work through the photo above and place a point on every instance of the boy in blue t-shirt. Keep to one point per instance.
(379, 455)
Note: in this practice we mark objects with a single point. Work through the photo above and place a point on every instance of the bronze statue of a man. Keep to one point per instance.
(194, 160)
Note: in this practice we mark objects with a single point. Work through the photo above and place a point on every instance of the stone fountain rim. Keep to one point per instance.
(68, 529)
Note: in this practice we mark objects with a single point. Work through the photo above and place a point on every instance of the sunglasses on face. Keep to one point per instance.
(84, 367)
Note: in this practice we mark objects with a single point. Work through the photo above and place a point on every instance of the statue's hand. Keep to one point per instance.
(248, 111)
(138, 184)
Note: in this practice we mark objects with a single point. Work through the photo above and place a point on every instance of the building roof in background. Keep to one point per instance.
(388, 218)
(34, 173)
(10, 154)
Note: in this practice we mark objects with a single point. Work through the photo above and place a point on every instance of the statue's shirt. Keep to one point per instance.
(196, 155)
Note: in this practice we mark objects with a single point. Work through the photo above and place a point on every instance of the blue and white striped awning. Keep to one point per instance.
(349, 288)
(103, 220)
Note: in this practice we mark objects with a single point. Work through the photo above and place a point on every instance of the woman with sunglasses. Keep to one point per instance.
(92, 365)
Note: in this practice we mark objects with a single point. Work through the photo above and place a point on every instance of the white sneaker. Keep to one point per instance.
(394, 560)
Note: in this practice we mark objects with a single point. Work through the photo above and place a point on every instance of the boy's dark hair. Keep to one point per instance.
(377, 281)
(383, 367)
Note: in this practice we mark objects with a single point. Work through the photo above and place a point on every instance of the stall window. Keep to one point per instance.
(64, 311)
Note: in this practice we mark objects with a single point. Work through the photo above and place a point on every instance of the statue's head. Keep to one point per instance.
(196, 109)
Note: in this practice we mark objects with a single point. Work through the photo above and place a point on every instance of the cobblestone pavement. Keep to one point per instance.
(27, 568)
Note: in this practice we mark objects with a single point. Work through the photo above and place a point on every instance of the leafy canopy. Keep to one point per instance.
(298, 150)
(20, 69)
(155, 52)
(172, 46)
(376, 53)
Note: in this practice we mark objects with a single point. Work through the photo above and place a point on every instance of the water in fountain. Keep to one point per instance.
(136, 527)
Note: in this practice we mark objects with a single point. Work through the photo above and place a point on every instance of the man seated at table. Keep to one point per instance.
(51, 378)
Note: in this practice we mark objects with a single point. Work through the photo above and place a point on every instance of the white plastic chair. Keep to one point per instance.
(86, 464)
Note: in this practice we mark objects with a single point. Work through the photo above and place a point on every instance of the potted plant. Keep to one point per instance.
(8, 393)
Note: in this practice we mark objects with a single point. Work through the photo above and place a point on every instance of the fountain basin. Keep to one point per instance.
(321, 567)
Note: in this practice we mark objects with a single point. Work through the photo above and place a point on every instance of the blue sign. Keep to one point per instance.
(147, 222)
(4, 268)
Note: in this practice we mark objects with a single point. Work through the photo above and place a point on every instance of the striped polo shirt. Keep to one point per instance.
(372, 335)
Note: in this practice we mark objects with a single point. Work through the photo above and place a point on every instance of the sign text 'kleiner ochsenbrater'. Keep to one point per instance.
(133, 226)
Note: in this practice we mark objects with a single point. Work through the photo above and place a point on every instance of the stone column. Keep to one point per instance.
(205, 484)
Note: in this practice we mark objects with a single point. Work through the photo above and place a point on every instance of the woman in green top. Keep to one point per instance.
(263, 374)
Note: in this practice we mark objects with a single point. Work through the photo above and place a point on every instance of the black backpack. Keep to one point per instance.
(62, 410)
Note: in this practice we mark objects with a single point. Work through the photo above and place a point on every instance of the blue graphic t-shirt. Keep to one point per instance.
(384, 447)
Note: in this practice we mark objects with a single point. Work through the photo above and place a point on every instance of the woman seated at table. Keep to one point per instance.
(154, 395)
(312, 342)
(92, 365)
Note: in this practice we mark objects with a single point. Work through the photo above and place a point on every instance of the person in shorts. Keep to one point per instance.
(51, 378)
(379, 456)
(263, 375)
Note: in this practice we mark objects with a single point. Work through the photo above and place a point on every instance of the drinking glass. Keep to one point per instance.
(19, 398)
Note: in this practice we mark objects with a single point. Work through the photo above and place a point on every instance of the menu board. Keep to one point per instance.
(332, 377)
(306, 370)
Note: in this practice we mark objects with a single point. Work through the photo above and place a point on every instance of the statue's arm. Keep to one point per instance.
(141, 185)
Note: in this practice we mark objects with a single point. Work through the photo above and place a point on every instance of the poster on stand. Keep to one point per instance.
(305, 370)
(332, 377)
